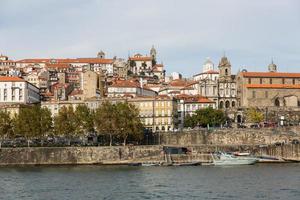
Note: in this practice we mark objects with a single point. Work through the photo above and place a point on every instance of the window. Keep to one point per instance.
(266, 94)
(226, 72)
(253, 94)
(249, 80)
(294, 81)
(260, 80)
(283, 80)
(271, 81)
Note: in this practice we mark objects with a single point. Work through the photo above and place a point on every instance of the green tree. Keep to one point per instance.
(128, 122)
(6, 126)
(65, 122)
(253, 115)
(190, 121)
(210, 116)
(106, 120)
(84, 120)
(206, 116)
(32, 122)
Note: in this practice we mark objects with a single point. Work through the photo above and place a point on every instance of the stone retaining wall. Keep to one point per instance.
(231, 137)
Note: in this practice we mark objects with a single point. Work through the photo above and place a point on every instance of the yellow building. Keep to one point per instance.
(157, 113)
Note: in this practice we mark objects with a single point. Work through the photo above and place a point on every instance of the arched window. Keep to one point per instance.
(277, 102)
(226, 72)
(233, 104)
(227, 104)
(163, 128)
(221, 104)
(239, 119)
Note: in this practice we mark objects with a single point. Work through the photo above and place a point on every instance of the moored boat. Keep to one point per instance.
(222, 158)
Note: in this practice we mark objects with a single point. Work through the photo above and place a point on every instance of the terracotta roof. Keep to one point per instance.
(273, 86)
(198, 99)
(180, 83)
(68, 60)
(11, 79)
(271, 74)
(47, 94)
(125, 83)
(58, 65)
(76, 92)
(141, 58)
(183, 96)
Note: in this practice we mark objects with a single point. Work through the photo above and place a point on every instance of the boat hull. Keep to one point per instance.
(235, 162)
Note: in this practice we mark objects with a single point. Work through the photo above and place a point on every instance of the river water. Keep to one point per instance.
(278, 181)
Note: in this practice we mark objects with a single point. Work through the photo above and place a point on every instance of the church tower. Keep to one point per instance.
(101, 54)
(153, 52)
(208, 65)
(272, 67)
(225, 68)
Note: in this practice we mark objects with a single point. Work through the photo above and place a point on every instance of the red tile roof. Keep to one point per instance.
(271, 74)
(68, 60)
(194, 98)
(141, 58)
(180, 83)
(11, 79)
(273, 86)
(58, 65)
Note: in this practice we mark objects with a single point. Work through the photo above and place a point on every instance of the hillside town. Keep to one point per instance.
(164, 102)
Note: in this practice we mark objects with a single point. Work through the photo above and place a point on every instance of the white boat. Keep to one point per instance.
(222, 158)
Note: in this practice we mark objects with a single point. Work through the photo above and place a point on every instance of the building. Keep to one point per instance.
(157, 113)
(174, 87)
(189, 104)
(15, 90)
(129, 88)
(268, 89)
(226, 85)
(90, 85)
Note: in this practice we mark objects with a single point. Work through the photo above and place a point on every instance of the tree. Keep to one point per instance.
(204, 117)
(33, 122)
(190, 121)
(65, 122)
(128, 122)
(6, 126)
(46, 122)
(106, 120)
(84, 120)
(253, 115)
(210, 116)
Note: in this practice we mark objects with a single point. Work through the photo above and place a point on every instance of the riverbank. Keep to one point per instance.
(116, 155)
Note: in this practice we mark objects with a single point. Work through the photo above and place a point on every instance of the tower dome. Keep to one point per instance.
(208, 65)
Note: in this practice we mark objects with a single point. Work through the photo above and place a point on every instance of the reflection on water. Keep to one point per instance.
(278, 181)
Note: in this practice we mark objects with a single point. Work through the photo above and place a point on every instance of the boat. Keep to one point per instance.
(150, 164)
(269, 159)
(222, 159)
(187, 164)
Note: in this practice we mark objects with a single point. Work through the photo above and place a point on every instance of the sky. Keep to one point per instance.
(184, 32)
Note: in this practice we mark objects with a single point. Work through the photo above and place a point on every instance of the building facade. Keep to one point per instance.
(15, 90)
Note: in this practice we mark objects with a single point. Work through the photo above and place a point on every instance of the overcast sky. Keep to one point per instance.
(184, 32)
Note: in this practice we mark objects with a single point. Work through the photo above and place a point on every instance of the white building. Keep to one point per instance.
(129, 88)
(17, 90)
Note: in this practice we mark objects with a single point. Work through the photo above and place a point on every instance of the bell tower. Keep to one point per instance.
(225, 68)
(153, 52)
